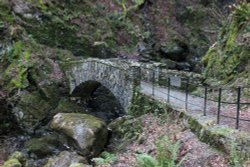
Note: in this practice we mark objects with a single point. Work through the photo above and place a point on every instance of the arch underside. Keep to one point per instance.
(86, 89)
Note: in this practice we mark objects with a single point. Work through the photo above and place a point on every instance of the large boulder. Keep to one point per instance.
(30, 110)
(66, 159)
(88, 132)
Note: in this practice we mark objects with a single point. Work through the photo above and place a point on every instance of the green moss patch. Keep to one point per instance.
(228, 59)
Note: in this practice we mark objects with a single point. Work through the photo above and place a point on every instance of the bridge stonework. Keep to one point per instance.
(120, 78)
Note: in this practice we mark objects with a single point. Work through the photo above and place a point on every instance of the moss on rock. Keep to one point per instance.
(12, 163)
(88, 133)
(67, 106)
(45, 146)
(19, 156)
(228, 58)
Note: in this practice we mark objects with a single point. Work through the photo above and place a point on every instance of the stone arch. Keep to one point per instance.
(114, 79)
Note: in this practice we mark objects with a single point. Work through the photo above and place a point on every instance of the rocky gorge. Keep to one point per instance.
(42, 125)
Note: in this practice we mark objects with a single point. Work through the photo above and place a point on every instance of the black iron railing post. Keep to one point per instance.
(219, 106)
(205, 102)
(153, 82)
(168, 89)
(238, 107)
(186, 99)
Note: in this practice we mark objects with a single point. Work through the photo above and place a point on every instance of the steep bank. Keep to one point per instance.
(175, 31)
(228, 59)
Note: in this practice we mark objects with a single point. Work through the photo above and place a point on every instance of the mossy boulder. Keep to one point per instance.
(45, 146)
(31, 109)
(65, 105)
(89, 134)
(19, 156)
(66, 159)
(12, 163)
(17, 159)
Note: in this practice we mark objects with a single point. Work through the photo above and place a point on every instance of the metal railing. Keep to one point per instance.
(206, 103)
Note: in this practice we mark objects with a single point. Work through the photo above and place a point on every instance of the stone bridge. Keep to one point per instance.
(123, 78)
(120, 77)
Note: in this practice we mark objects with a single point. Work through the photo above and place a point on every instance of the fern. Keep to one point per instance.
(105, 158)
(145, 160)
(167, 152)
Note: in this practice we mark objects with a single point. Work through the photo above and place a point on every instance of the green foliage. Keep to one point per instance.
(142, 104)
(167, 152)
(56, 29)
(228, 59)
(105, 158)
(15, 52)
(124, 131)
(1, 24)
(139, 105)
(162, 117)
(236, 159)
(20, 61)
(166, 155)
(123, 134)
(5, 12)
(39, 3)
(126, 8)
(194, 15)
(145, 160)
(11, 163)
(242, 12)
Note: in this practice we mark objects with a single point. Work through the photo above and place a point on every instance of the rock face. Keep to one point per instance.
(66, 159)
(88, 132)
(7, 121)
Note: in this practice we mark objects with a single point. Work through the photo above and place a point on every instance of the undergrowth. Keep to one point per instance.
(166, 155)
(105, 158)
(235, 158)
